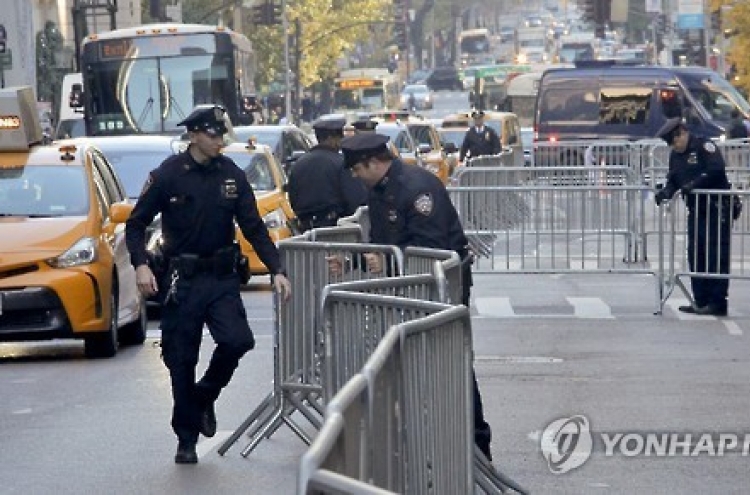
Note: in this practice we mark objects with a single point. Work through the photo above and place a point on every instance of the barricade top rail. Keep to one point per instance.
(349, 233)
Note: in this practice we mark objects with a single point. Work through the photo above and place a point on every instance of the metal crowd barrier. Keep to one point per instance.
(717, 206)
(298, 343)
(361, 218)
(379, 434)
(504, 159)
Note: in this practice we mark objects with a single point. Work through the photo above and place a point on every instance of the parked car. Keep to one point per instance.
(287, 141)
(430, 148)
(423, 99)
(66, 269)
(444, 78)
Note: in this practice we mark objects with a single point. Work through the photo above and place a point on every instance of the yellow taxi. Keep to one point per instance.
(66, 272)
(422, 146)
(504, 123)
(268, 181)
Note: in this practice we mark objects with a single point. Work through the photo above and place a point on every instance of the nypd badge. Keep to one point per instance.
(709, 147)
(229, 189)
(423, 204)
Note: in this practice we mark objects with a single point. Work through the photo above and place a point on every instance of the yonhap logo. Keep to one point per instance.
(566, 443)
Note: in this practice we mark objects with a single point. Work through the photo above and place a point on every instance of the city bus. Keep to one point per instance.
(365, 90)
(475, 46)
(146, 79)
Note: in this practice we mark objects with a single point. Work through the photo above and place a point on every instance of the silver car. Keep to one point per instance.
(421, 94)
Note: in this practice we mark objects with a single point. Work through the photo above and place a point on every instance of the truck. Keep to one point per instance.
(70, 121)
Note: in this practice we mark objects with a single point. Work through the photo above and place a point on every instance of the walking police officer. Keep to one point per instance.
(696, 163)
(480, 139)
(409, 206)
(200, 193)
(320, 190)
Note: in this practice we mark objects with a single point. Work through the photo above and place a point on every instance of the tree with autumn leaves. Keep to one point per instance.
(736, 19)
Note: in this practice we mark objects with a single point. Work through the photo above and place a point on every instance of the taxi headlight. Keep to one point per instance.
(274, 220)
(83, 252)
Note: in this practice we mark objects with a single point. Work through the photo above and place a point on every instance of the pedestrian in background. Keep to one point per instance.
(200, 194)
(696, 163)
(320, 189)
(409, 206)
(480, 139)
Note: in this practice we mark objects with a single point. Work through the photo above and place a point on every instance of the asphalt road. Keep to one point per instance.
(547, 347)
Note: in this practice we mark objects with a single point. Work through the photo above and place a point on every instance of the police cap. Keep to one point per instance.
(668, 130)
(365, 125)
(360, 147)
(329, 124)
(477, 114)
(206, 119)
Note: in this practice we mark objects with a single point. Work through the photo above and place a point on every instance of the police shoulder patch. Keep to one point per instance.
(709, 146)
(147, 185)
(423, 204)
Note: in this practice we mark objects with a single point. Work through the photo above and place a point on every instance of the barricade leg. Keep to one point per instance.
(266, 408)
(489, 479)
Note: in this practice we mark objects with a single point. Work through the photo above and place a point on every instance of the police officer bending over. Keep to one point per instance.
(480, 139)
(696, 163)
(200, 193)
(320, 190)
(409, 206)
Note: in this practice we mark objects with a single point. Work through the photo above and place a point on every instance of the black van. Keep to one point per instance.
(606, 101)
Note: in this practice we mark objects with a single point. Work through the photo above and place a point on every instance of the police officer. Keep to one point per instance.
(696, 163)
(409, 206)
(200, 193)
(320, 190)
(480, 139)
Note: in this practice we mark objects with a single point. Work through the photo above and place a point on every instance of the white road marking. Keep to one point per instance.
(494, 306)
(590, 307)
(732, 327)
(207, 445)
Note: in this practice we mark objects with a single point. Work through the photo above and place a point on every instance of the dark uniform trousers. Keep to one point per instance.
(709, 237)
(216, 301)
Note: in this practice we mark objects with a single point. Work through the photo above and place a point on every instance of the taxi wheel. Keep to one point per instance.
(134, 333)
(104, 344)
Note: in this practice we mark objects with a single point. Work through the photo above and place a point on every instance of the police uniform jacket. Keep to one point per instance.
(700, 166)
(411, 207)
(478, 143)
(319, 184)
(199, 205)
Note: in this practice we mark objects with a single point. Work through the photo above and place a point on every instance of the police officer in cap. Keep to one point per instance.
(480, 139)
(696, 163)
(409, 206)
(200, 194)
(320, 190)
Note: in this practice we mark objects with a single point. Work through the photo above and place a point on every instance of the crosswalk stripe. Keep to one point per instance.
(590, 307)
(494, 306)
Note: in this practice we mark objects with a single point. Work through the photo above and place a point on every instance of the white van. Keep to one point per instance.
(70, 122)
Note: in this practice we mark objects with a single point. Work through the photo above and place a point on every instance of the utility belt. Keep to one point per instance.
(327, 218)
(223, 262)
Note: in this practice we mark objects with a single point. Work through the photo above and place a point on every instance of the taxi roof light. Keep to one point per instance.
(19, 120)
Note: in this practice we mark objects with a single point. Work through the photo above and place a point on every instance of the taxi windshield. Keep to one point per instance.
(133, 166)
(43, 191)
(257, 169)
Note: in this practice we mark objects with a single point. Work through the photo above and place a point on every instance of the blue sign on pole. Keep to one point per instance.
(690, 21)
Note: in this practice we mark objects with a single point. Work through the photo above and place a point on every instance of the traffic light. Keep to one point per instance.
(399, 31)
(275, 13)
(588, 10)
(259, 14)
(3, 39)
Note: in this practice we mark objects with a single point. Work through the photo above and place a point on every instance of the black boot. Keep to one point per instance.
(186, 453)
(208, 421)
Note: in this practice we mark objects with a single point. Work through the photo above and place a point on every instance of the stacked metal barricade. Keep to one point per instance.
(373, 371)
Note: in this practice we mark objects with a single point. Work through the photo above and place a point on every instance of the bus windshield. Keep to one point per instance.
(137, 84)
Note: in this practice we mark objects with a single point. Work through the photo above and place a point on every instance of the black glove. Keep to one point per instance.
(660, 197)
